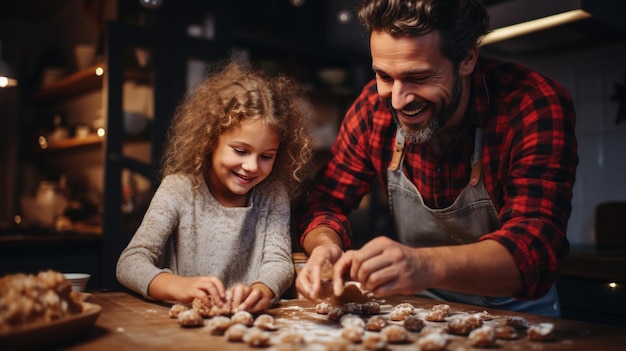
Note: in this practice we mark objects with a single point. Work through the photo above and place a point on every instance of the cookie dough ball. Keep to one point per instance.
(243, 317)
(541, 332)
(370, 308)
(463, 325)
(326, 273)
(323, 308)
(291, 337)
(224, 310)
(265, 322)
(395, 334)
(517, 322)
(433, 342)
(190, 318)
(350, 320)
(219, 324)
(376, 323)
(436, 316)
(375, 341)
(413, 323)
(482, 337)
(405, 306)
(352, 308)
(176, 309)
(398, 315)
(335, 314)
(445, 308)
(235, 332)
(256, 337)
(352, 333)
(505, 332)
(198, 305)
(484, 315)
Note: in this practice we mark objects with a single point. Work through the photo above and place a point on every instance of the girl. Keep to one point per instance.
(220, 218)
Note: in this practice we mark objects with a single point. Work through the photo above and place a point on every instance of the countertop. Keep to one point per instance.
(588, 261)
(129, 322)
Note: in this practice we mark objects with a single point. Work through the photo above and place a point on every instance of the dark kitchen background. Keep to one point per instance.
(98, 81)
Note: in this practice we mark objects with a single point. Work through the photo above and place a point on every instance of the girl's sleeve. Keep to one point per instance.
(139, 262)
(277, 270)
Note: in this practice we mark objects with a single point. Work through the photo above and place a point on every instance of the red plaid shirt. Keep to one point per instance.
(529, 165)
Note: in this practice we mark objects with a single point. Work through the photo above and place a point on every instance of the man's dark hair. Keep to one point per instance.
(460, 23)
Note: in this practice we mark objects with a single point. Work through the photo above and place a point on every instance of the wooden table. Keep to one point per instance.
(128, 322)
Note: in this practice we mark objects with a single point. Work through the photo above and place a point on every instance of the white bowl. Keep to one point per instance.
(78, 280)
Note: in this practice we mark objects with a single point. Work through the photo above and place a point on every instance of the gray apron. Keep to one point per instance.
(471, 216)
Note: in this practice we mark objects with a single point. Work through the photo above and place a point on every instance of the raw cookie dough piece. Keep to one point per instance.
(219, 324)
(350, 320)
(505, 332)
(335, 314)
(436, 316)
(176, 309)
(482, 337)
(291, 337)
(375, 341)
(376, 323)
(413, 323)
(398, 315)
(352, 333)
(256, 337)
(484, 315)
(405, 306)
(370, 308)
(395, 334)
(198, 305)
(190, 318)
(224, 310)
(326, 273)
(442, 307)
(517, 322)
(352, 308)
(323, 308)
(463, 325)
(541, 332)
(243, 317)
(351, 293)
(235, 332)
(265, 322)
(433, 342)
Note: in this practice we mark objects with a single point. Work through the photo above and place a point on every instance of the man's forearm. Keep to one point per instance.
(320, 236)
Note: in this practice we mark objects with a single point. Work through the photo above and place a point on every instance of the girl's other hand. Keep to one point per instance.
(254, 298)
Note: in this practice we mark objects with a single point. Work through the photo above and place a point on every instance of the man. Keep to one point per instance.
(478, 158)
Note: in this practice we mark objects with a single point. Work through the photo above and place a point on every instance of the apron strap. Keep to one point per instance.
(477, 166)
(398, 148)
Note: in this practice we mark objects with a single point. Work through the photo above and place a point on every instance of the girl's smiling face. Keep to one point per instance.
(243, 158)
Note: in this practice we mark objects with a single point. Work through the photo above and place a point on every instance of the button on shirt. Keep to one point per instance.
(529, 164)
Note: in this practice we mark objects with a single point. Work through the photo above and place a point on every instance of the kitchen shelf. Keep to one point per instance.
(83, 81)
(71, 143)
(80, 82)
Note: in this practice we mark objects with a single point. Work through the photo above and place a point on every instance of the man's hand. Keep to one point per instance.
(383, 267)
(308, 282)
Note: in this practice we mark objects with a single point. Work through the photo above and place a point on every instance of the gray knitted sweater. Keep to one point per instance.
(188, 233)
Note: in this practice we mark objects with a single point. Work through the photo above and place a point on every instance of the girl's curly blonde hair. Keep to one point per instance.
(228, 96)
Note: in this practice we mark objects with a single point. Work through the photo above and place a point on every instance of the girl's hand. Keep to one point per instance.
(167, 286)
(254, 298)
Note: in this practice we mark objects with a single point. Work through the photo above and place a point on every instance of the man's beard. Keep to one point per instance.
(440, 118)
